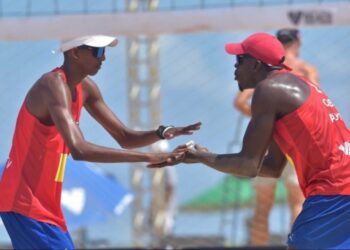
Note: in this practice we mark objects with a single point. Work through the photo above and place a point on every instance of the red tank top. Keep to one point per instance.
(316, 140)
(31, 183)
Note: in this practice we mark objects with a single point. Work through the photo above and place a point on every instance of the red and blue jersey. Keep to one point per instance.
(31, 183)
(315, 138)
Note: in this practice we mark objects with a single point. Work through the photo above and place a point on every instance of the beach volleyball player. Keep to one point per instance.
(47, 130)
(291, 118)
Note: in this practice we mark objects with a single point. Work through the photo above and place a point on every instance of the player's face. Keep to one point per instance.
(92, 58)
(244, 70)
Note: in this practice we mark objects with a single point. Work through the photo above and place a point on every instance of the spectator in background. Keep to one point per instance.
(290, 38)
(265, 187)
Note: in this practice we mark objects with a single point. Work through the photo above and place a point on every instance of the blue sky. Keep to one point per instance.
(196, 85)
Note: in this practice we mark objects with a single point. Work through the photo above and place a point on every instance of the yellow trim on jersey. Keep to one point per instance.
(61, 168)
(290, 160)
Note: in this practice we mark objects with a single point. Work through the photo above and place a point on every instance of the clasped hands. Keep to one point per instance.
(185, 153)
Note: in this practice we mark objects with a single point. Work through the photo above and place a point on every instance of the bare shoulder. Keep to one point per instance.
(46, 90)
(272, 85)
(282, 93)
(47, 83)
(51, 77)
(49, 80)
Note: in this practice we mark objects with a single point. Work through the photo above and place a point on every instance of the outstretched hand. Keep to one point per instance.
(174, 158)
(191, 155)
(176, 131)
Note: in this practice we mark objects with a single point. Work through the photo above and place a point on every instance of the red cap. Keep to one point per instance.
(261, 46)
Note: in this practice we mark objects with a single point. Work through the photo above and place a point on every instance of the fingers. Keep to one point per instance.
(173, 159)
(157, 165)
(195, 126)
(200, 148)
(181, 148)
(176, 131)
(176, 157)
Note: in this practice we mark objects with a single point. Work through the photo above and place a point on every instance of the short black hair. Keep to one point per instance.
(288, 35)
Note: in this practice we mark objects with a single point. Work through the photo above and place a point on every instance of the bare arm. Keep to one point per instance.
(242, 102)
(273, 98)
(98, 109)
(126, 137)
(55, 105)
(273, 163)
(255, 142)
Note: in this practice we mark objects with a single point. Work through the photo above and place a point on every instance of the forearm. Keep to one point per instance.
(90, 152)
(233, 164)
(137, 139)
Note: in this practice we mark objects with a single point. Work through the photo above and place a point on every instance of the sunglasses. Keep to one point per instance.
(239, 59)
(98, 52)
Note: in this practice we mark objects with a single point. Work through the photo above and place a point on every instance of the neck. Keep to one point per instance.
(74, 76)
(292, 50)
(266, 73)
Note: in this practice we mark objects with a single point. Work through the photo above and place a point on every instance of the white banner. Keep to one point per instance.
(167, 22)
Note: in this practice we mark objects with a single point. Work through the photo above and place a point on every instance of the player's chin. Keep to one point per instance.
(94, 72)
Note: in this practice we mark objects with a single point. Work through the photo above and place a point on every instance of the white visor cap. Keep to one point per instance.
(93, 41)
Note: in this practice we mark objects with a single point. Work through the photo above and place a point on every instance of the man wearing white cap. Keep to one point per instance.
(47, 130)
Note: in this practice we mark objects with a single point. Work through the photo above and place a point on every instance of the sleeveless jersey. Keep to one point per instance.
(316, 140)
(31, 183)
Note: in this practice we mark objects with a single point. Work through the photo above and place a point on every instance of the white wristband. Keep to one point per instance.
(166, 129)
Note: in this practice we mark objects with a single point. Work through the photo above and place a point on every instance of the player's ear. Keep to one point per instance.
(73, 53)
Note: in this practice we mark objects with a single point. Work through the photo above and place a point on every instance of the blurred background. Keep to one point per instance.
(169, 67)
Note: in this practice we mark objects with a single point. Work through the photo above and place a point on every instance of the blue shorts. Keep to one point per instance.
(27, 233)
(323, 223)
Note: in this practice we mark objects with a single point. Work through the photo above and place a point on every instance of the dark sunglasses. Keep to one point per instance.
(239, 59)
(98, 52)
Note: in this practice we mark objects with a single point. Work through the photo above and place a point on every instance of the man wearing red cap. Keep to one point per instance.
(292, 119)
(265, 188)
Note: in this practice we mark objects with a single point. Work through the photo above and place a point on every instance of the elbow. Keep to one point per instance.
(250, 168)
(270, 172)
(78, 152)
(123, 144)
(77, 155)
